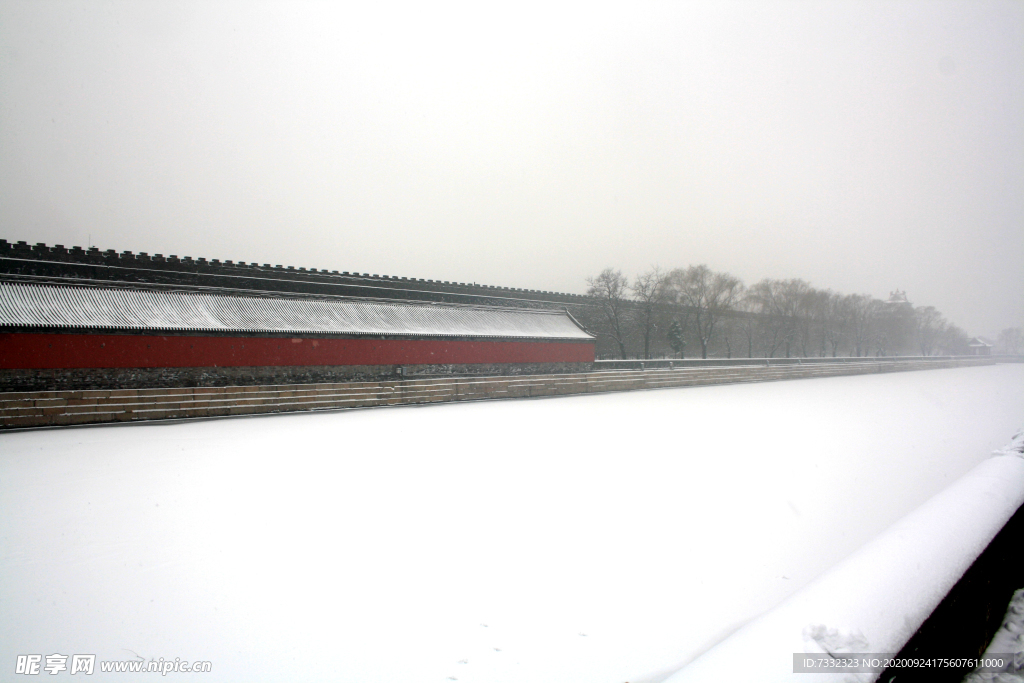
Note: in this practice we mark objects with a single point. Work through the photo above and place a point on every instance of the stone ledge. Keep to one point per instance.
(41, 409)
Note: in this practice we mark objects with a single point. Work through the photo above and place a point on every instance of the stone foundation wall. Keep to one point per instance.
(51, 408)
(144, 378)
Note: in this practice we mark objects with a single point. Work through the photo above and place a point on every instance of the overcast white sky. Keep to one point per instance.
(863, 146)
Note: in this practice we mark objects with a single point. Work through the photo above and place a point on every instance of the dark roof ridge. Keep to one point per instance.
(95, 256)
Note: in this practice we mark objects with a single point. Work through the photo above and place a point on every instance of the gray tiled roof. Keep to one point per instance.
(127, 309)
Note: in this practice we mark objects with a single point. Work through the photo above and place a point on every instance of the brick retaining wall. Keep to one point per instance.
(49, 408)
(73, 379)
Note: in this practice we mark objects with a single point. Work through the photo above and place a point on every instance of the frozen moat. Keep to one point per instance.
(586, 538)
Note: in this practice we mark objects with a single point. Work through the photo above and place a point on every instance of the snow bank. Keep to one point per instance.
(875, 600)
(591, 538)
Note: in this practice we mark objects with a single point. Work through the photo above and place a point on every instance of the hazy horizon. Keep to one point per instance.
(861, 146)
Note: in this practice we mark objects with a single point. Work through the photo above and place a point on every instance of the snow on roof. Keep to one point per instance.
(127, 309)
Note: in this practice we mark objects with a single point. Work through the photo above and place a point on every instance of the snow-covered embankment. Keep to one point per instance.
(876, 599)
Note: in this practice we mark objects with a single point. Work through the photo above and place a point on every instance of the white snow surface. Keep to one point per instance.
(876, 599)
(589, 538)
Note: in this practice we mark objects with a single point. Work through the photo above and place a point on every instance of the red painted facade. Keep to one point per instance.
(69, 350)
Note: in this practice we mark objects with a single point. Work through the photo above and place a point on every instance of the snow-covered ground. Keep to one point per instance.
(874, 600)
(586, 538)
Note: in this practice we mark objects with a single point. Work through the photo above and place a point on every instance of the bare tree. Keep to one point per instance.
(650, 292)
(772, 317)
(792, 298)
(954, 341)
(929, 325)
(764, 300)
(707, 294)
(1011, 340)
(812, 309)
(726, 331)
(858, 309)
(749, 322)
(609, 288)
(780, 305)
(836, 321)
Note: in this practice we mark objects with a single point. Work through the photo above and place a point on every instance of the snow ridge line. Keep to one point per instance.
(1015, 447)
(55, 408)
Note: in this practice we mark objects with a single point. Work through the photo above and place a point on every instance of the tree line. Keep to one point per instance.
(701, 312)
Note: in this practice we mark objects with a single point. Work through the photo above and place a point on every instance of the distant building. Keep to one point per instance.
(898, 298)
(980, 346)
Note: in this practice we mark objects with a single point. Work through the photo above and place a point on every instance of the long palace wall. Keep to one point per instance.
(65, 361)
(68, 350)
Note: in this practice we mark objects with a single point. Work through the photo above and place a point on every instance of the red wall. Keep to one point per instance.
(39, 351)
